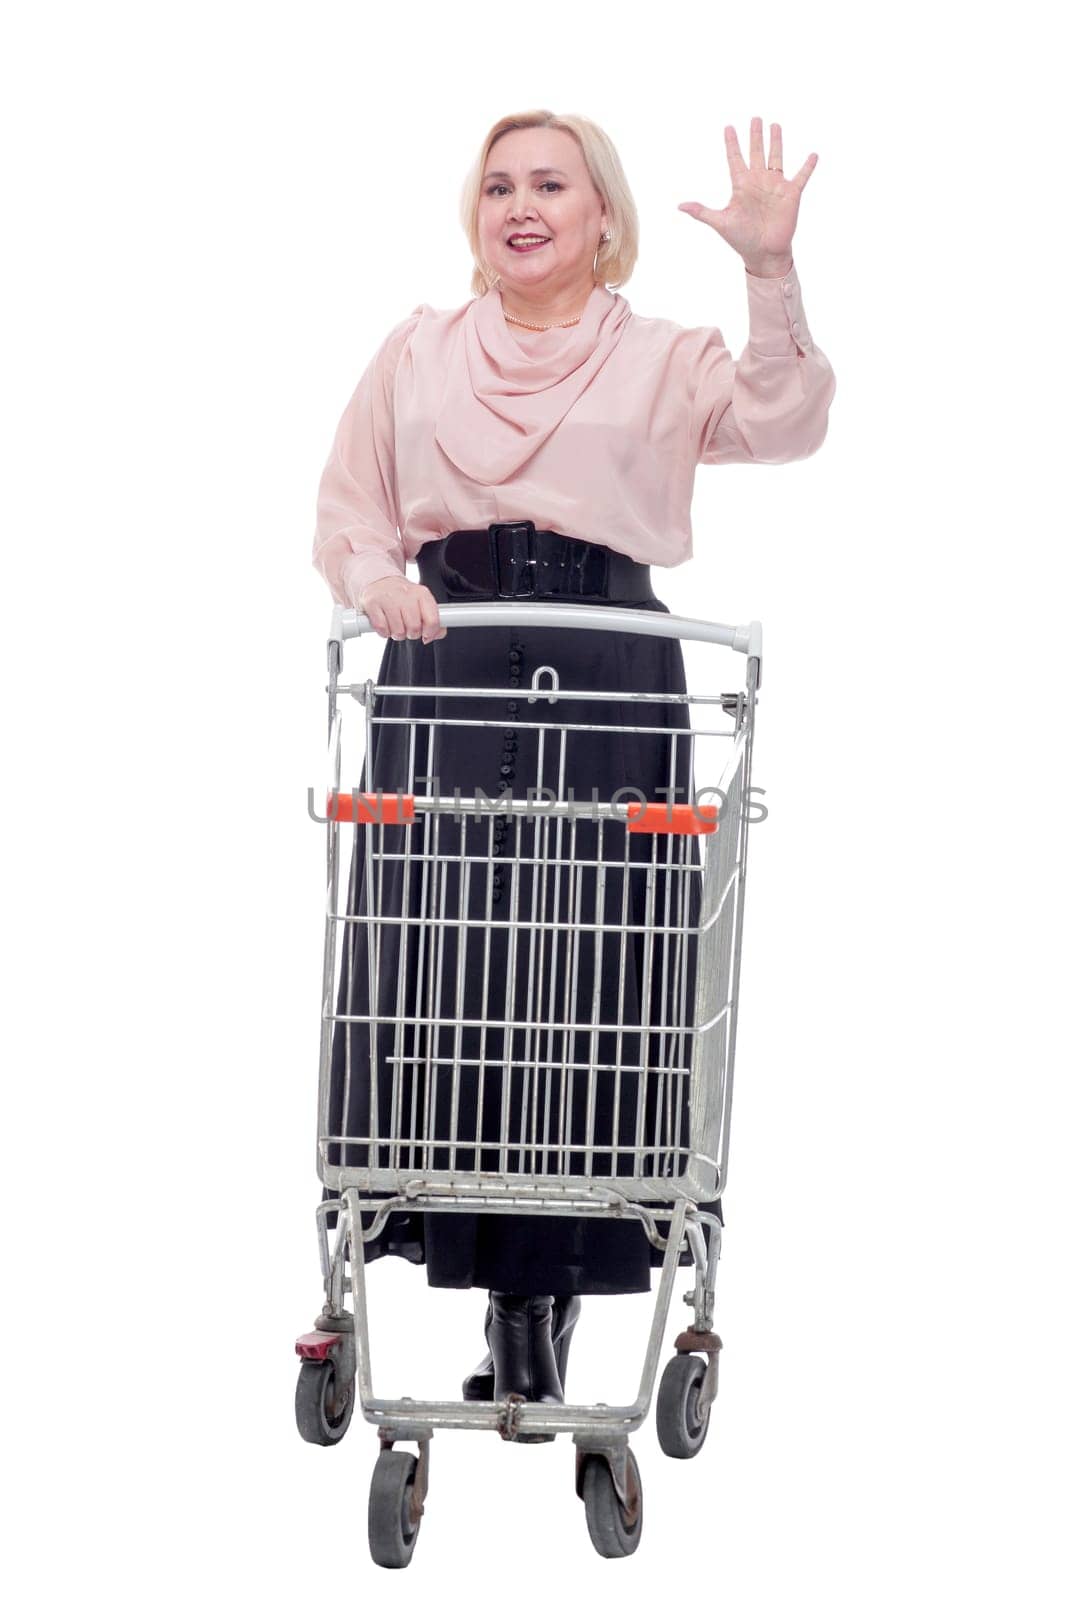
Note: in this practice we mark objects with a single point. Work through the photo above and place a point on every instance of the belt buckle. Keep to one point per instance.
(512, 544)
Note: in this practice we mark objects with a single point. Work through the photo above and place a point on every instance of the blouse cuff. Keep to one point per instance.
(777, 324)
(360, 569)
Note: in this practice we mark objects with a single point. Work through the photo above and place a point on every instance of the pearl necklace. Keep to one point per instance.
(541, 327)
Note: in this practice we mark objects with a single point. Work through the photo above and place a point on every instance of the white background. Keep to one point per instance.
(215, 212)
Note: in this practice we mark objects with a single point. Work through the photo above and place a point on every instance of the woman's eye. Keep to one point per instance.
(549, 183)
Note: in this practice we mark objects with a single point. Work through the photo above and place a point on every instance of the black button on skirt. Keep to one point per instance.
(518, 1254)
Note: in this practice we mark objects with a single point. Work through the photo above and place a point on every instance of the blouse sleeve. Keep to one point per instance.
(773, 404)
(357, 534)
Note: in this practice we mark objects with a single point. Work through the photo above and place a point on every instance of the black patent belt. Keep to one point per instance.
(516, 561)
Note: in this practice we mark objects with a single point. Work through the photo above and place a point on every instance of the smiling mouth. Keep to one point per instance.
(535, 244)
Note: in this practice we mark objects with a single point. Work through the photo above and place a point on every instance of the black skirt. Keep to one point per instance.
(520, 1254)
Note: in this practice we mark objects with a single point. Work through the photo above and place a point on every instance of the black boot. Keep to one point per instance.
(565, 1308)
(478, 1385)
(520, 1342)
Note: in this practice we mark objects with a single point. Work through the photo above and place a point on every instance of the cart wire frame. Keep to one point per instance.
(656, 1180)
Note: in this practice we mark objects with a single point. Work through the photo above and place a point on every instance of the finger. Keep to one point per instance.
(775, 161)
(394, 618)
(411, 611)
(420, 629)
(431, 621)
(755, 145)
(734, 159)
(376, 616)
(693, 208)
(806, 171)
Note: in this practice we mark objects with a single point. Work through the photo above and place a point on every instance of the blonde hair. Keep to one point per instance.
(615, 261)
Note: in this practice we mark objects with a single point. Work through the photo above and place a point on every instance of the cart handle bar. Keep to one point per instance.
(748, 639)
(641, 817)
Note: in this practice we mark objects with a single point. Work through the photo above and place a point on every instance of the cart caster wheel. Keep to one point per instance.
(318, 1417)
(681, 1432)
(614, 1530)
(392, 1527)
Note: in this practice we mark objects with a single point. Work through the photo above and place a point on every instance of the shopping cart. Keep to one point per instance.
(517, 1100)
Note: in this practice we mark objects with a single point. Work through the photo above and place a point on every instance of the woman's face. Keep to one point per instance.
(536, 182)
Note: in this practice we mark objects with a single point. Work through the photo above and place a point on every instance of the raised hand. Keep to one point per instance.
(761, 218)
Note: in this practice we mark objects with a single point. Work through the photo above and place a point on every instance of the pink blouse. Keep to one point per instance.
(462, 419)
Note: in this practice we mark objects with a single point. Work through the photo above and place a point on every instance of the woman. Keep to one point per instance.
(544, 421)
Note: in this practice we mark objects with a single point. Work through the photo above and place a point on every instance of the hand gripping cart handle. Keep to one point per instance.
(681, 867)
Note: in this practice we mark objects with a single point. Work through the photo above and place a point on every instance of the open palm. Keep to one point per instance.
(761, 218)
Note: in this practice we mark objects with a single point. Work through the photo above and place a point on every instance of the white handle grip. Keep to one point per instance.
(748, 639)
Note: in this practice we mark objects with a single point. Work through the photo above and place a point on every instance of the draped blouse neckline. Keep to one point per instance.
(507, 390)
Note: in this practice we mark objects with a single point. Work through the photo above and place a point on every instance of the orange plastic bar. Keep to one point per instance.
(371, 807)
(661, 818)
